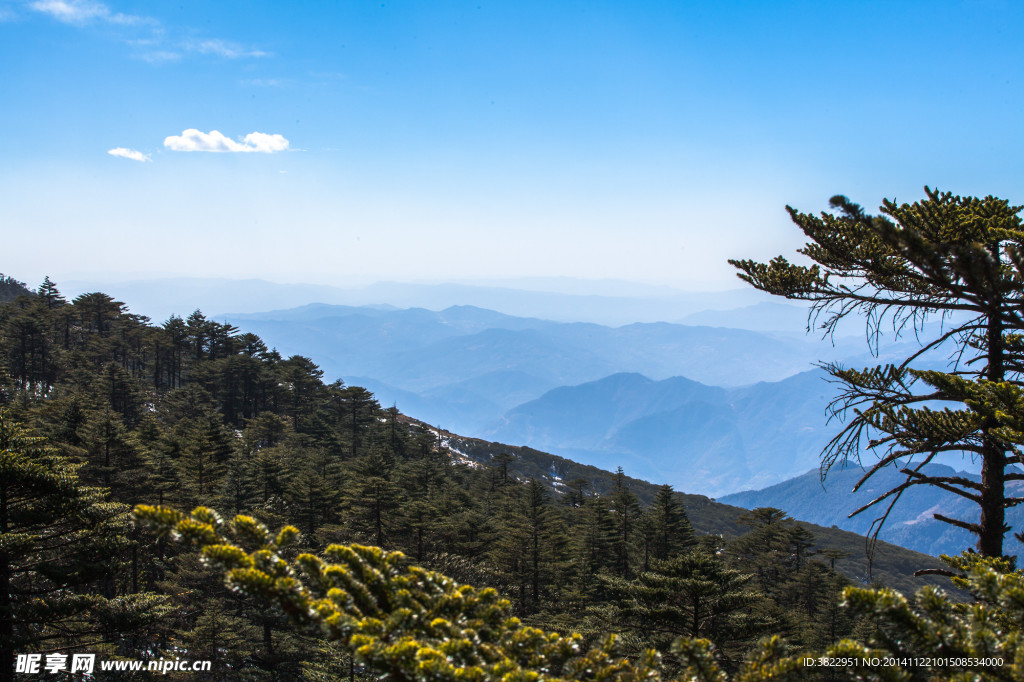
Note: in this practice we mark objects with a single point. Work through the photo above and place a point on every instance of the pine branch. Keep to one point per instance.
(973, 527)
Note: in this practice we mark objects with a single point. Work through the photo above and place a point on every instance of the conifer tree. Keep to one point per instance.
(810, 601)
(509, 545)
(945, 256)
(357, 406)
(627, 516)
(59, 543)
(111, 448)
(419, 518)
(500, 463)
(595, 539)
(302, 380)
(331, 663)
(692, 595)
(217, 638)
(27, 352)
(314, 489)
(205, 449)
(198, 330)
(672, 532)
(773, 548)
(577, 492)
(375, 498)
(528, 545)
(238, 489)
(97, 312)
(49, 295)
(176, 334)
(270, 474)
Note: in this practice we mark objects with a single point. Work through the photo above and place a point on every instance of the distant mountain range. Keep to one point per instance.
(420, 350)
(609, 302)
(829, 502)
(642, 395)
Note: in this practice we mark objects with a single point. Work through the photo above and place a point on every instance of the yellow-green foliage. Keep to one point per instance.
(404, 622)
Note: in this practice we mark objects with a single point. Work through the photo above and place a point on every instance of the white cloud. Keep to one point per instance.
(223, 48)
(163, 48)
(193, 140)
(126, 153)
(82, 11)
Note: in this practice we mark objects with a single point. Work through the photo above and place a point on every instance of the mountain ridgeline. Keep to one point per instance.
(678, 430)
(195, 412)
(522, 380)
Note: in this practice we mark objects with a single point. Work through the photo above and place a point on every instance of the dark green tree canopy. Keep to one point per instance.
(10, 288)
(59, 542)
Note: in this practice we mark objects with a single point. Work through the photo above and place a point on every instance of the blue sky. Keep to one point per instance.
(644, 141)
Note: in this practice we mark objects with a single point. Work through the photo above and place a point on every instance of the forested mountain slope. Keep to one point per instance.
(891, 565)
(11, 289)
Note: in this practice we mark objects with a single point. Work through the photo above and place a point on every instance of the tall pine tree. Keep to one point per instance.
(959, 258)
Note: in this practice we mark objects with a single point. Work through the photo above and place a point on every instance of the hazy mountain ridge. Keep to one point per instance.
(396, 338)
(438, 356)
(697, 437)
(829, 502)
(601, 301)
